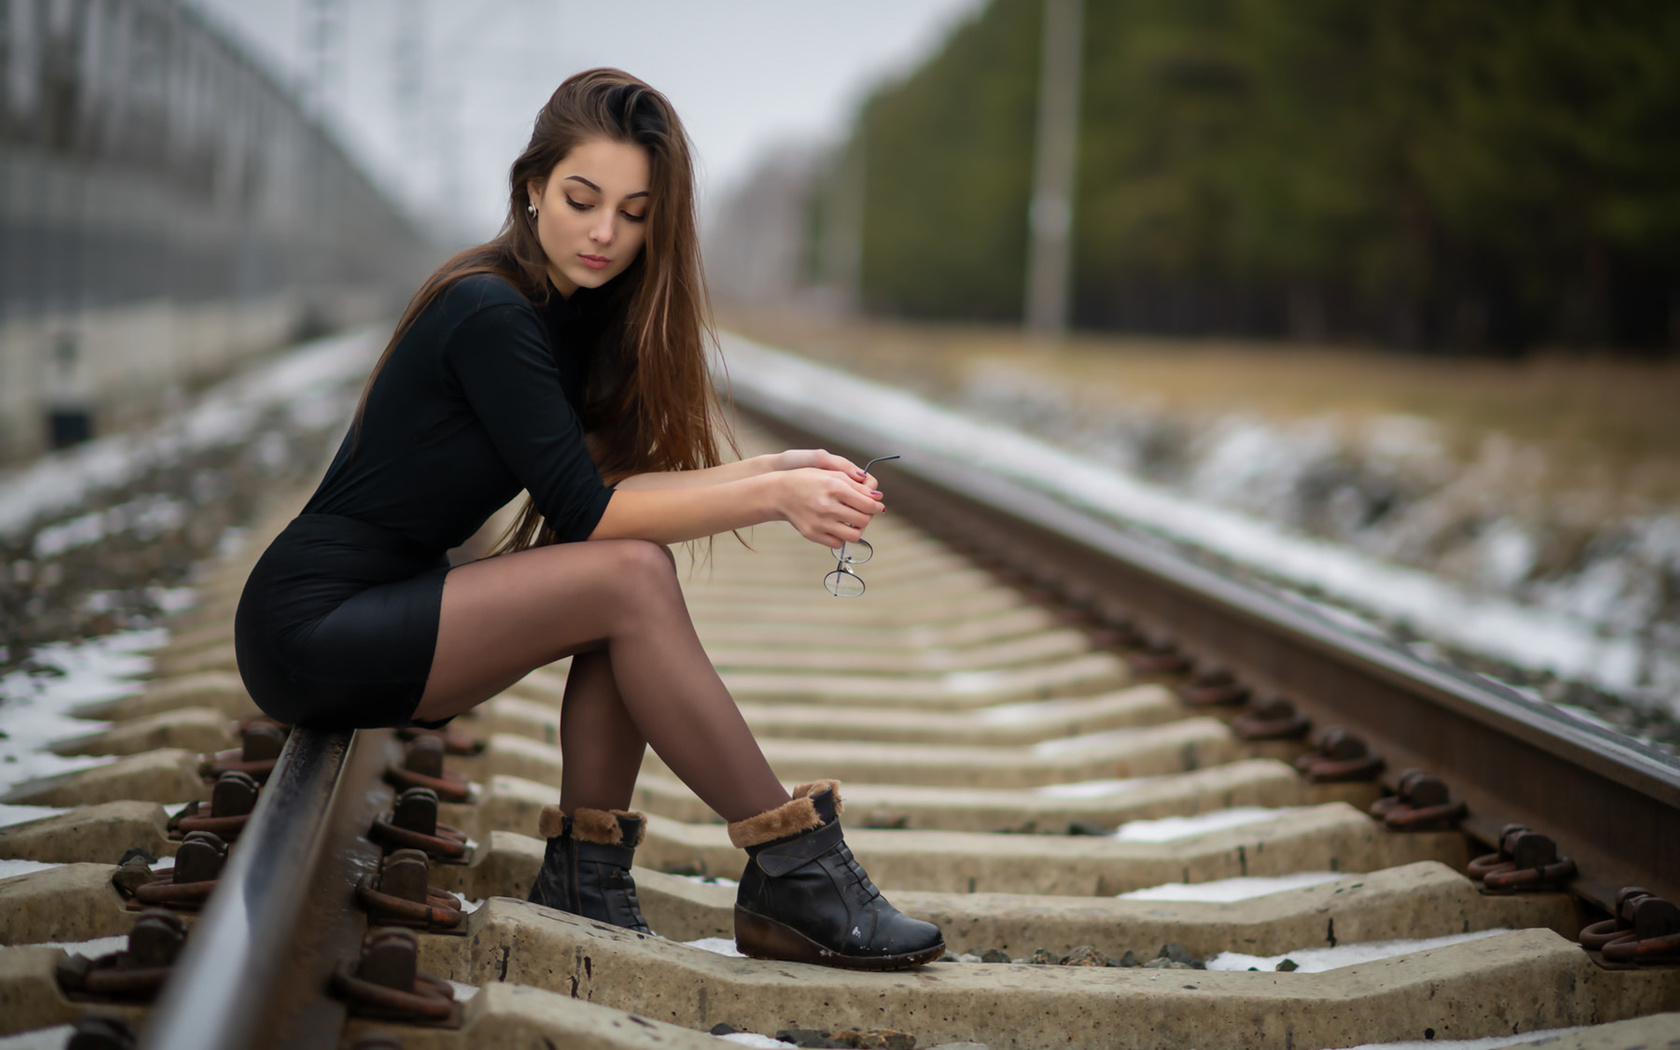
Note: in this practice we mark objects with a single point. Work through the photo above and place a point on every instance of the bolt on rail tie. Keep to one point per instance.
(198, 867)
(231, 802)
(1339, 758)
(1214, 687)
(1422, 802)
(1645, 929)
(413, 824)
(401, 894)
(260, 746)
(137, 972)
(1526, 861)
(1271, 718)
(1158, 656)
(456, 741)
(422, 766)
(386, 982)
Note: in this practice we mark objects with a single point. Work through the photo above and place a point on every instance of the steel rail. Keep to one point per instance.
(255, 970)
(1607, 800)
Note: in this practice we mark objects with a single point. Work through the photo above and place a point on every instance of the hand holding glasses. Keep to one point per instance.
(843, 582)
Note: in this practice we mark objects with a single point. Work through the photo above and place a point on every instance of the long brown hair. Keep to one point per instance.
(650, 402)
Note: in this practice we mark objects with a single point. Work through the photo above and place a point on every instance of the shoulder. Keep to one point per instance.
(483, 307)
(480, 292)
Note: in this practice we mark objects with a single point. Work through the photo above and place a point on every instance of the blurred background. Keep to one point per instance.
(1399, 278)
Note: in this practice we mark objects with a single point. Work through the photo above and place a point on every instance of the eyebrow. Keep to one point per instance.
(597, 189)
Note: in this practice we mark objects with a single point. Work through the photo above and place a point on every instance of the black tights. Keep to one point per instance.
(639, 675)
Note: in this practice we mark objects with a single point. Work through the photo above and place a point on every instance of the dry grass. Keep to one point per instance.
(1605, 424)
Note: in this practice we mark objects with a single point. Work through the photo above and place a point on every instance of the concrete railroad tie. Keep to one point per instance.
(971, 728)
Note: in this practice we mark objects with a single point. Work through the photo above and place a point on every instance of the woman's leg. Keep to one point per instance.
(504, 616)
(599, 739)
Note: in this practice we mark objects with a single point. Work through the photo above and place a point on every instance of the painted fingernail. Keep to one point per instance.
(861, 475)
(877, 495)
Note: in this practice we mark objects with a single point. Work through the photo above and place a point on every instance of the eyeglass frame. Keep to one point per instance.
(844, 569)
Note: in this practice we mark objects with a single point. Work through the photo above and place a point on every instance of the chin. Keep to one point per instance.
(587, 278)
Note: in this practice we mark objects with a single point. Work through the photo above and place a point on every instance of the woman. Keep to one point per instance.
(566, 358)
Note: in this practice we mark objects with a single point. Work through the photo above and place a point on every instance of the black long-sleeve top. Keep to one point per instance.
(478, 400)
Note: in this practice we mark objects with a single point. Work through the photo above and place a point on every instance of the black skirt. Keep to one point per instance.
(338, 622)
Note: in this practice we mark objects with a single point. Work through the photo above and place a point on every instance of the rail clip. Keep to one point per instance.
(1526, 861)
(386, 982)
(402, 895)
(1422, 803)
(1644, 929)
(135, 974)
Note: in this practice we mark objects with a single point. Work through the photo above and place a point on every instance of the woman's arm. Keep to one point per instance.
(826, 506)
(754, 467)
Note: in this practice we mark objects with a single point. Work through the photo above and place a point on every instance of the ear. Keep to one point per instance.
(534, 191)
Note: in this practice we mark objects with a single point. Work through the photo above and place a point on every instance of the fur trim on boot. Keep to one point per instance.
(600, 826)
(586, 865)
(789, 818)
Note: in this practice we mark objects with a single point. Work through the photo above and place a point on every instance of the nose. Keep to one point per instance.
(601, 232)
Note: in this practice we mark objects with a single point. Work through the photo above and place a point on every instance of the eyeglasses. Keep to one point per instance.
(843, 582)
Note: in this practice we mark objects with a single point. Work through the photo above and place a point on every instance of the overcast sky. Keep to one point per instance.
(745, 76)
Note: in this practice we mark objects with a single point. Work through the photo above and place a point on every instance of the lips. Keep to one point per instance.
(595, 262)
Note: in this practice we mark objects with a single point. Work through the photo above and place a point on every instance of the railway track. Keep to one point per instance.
(1014, 686)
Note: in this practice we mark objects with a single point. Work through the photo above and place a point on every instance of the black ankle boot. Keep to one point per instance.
(804, 898)
(586, 867)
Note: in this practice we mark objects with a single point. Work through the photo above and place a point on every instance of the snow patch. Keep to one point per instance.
(54, 1038)
(1091, 788)
(35, 701)
(11, 869)
(1492, 1042)
(1317, 960)
(765, 1042)
(1226, 890)
(1168, 829)
(10, 815)
(720, 945)
(92, 949)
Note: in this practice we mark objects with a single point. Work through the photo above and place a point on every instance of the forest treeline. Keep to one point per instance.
(1460, 175)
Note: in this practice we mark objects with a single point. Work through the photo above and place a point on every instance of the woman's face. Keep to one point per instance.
(591, 213)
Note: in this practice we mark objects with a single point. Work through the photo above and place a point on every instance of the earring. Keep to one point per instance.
(530, 209)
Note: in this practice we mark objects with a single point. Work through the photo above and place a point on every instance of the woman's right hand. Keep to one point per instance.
(826, 506)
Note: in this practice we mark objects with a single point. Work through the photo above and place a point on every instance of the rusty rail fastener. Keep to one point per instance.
(1214, 687)
(1527, 860)
(456, 741)
(1113, 631)
(1421, 803)
(1273, 718)
(423, 767)
(413, 824)
(1644, 929)
(401, 894)
(135, 973)
(198, 863)
(386, 982)
(1158, 656)
(260, 746)
(231, 802)
(96, 1032)
(1339, 757)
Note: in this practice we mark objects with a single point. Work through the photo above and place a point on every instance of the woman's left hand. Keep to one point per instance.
(822, 459)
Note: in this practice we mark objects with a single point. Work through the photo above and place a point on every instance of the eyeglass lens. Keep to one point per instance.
(843, 582)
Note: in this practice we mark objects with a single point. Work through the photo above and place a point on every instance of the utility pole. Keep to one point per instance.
(1050, 218)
